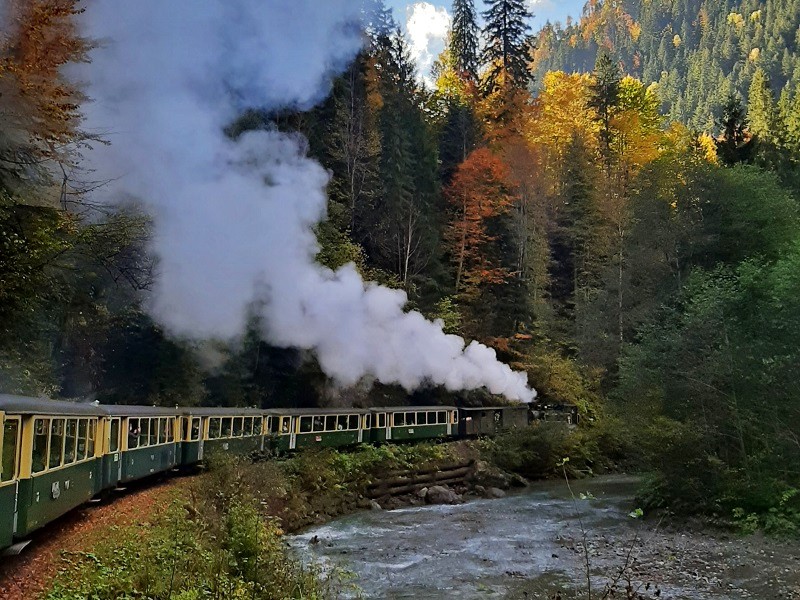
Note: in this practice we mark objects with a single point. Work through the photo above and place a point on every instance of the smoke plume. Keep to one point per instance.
(234, 219)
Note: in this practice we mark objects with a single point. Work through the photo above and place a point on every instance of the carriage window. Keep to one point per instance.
(441, 417)
(341, 422)
(248, 426)
(113, 443)
(194, 432)
(285, 424)
(133, 433)
(411, 419)
(257, 425)
(213, 428)
(319, 424)
(227, 426)
(154, 426)
(330, 423)
(40, 444)
(56, 443)
(305, 424)
(82, 433)
(399, 419)
(367, 421)
(170, 436)
(71, 435)
(422, 418)
(381, 420)
(238, 426)
(8, 469)
(90, 439)
(274, 424)
(144, 432)
(353, 421)
(160, 431)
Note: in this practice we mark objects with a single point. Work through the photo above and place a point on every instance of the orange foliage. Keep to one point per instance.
(480, 191)
(36, 97)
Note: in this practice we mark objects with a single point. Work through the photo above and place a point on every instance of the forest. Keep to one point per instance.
(611, 204)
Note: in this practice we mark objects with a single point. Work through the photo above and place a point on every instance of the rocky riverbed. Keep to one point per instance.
(535, 544)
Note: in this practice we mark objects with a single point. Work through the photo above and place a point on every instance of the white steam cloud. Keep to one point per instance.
(234, 219)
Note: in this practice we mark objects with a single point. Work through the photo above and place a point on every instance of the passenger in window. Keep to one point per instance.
(133, 434)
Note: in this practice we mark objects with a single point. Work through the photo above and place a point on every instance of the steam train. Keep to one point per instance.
(57, 455)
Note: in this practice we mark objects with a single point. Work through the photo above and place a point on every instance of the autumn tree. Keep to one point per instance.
(40, 107)
(479, 195)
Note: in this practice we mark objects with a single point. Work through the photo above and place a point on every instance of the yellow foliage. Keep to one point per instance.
(736, 20)
(677, 41)
(560, 112)
(755, 53)
(709, 147)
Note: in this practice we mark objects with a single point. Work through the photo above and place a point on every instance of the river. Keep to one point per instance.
(531, 545)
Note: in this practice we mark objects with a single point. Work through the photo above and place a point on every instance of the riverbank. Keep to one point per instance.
(531, 544)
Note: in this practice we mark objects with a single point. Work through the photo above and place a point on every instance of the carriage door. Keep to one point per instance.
(384, 420)
(9, 468)
(198, 430)
(114, 448)
(293, 424)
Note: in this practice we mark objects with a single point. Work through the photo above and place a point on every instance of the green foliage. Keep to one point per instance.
(217, 544)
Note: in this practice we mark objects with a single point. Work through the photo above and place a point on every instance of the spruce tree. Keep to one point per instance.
(761, 109)
(604, 97)
(506, 54)
(464, 38)
(733, 143)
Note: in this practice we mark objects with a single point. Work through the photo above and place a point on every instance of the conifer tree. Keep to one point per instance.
(507, 51)
(604, 97)
(733, 144)
(464, 39)
(761, 108)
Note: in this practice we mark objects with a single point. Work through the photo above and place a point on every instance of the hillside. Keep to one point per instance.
(698, 51)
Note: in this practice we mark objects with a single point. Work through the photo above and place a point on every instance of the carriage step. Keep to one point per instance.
(16, 548)
(120, 489)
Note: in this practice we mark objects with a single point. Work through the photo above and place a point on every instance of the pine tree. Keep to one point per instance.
(761, 109)
(464, 39)
(604, 97)
(733, 143)
(507, 51)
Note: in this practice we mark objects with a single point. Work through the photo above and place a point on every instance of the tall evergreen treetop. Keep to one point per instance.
(604, 96)
(733, 144)
(464, 38)
(507, 51)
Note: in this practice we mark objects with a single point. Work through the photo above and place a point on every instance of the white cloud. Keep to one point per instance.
(426, 26)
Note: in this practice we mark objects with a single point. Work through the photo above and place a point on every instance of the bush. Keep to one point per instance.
(216, 544)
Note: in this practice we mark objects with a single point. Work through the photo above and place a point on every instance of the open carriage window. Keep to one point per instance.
(40, 434)
(10, 450)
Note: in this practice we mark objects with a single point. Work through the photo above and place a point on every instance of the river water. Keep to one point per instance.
(531, 545)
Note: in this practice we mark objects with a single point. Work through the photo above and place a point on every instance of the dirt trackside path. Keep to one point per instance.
(27, 576)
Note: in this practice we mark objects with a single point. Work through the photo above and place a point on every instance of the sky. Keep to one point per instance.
(426, 23)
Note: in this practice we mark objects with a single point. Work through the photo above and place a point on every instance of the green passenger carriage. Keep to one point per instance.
(50, 461)
(401, 423)
(140, 442)
(208, 430)
(297, 428)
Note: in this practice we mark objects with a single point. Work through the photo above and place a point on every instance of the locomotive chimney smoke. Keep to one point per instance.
(234, 218)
